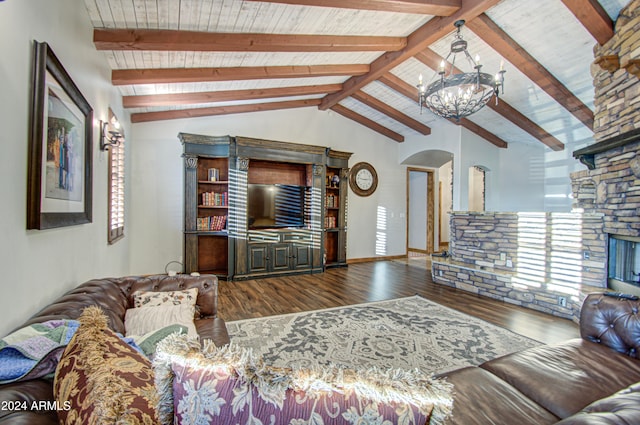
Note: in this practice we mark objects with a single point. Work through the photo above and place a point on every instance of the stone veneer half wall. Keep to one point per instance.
(529, 259)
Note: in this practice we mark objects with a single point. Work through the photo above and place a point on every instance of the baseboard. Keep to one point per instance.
(371, 259)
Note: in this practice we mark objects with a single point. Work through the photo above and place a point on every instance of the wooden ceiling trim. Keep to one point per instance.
(422, 7)
(225, 95)
(500, 41)
(593, 17)
(195, 41)
(406, 120)
(433, 60)
(420, 39)
(407, 90)
(348, 113)
(122, 77)
(221, 110)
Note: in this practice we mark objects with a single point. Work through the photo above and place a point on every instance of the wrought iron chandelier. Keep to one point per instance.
(456, 94)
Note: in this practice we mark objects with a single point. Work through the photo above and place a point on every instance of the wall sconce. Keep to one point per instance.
(109, 138)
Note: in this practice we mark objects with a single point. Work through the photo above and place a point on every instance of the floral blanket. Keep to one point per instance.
(34, 351)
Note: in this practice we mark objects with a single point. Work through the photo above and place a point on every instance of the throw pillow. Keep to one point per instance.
(229, 385)
(154, 299)
(101, 379)
(149, 341)
(139, 321)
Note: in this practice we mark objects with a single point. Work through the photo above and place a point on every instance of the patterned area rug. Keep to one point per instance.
(404, 333)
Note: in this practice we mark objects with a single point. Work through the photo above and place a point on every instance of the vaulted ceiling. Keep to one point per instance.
(360, 58)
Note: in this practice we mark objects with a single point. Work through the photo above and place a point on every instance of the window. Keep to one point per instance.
(116, 187)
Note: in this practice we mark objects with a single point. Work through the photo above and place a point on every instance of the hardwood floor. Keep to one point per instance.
(376, 281)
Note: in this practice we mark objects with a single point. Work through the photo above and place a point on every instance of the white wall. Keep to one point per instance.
(521, 183)
(476, 188)
(376, 223)
(39, 265)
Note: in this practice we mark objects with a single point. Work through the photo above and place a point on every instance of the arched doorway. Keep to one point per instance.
(429, 199)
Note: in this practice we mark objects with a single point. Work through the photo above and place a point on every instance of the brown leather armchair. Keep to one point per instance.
(114, 296)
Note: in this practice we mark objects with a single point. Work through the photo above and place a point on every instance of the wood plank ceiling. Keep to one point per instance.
(359, 58)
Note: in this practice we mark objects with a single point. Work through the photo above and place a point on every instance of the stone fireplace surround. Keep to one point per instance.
(611, 184)
(606, 195)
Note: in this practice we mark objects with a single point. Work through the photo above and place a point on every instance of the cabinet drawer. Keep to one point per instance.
(263, 237)
(301, 237)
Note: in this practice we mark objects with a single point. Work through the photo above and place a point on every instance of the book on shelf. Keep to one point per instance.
(213, 174)
(330, 222)
(215, 199)
(215, 223)
(332, 201)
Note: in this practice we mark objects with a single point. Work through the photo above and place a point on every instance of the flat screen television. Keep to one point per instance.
(275, 205)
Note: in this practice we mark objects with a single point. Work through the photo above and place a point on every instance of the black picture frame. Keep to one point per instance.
(59, 181)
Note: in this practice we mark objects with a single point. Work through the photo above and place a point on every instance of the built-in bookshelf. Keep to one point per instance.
(213, 194)
(335, 209)
(206, 247)
(332, 199)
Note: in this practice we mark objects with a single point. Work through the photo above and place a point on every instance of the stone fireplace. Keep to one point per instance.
(611, 184)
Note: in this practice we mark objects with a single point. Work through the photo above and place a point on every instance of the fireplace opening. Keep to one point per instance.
(624, 264)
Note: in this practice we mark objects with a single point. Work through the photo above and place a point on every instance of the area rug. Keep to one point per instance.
(404, 333)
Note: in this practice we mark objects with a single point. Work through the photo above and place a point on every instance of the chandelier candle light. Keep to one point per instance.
(458, 94)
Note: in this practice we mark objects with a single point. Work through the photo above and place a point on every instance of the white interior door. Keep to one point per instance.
(417, 211)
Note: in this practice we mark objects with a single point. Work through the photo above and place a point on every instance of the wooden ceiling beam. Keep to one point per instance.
(420, 39)
(393, 113)
(422, 7)
(348, 113)
(485, 134)
(121, 77)
(225, 95)
(500, 41)
(407, 90)
(221, 110)
(593, 17)
(195, 41)
(398, 84)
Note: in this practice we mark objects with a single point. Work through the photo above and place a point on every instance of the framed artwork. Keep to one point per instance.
(60, 147)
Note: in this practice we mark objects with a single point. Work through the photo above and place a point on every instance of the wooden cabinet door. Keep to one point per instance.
(281, 258)
(259, 258)
(301, 258)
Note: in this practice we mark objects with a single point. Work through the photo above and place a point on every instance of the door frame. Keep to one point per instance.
(430, 209)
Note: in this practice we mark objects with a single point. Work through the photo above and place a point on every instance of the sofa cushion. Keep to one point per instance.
(566, 377)
(139, 321)
(101, 379)
(620, 408)
(479, 397)
(229, 385)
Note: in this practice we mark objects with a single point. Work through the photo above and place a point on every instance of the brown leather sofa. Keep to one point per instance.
(594, 379)
(114, 296)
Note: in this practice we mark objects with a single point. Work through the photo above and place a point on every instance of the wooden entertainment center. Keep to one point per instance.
(256, 207)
